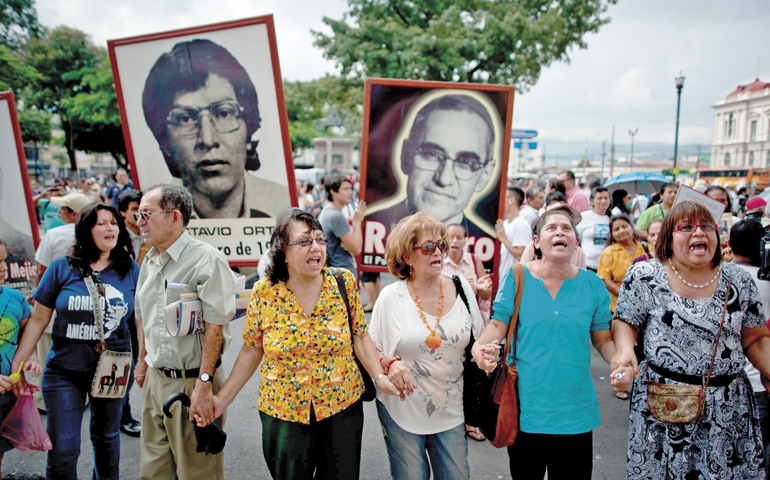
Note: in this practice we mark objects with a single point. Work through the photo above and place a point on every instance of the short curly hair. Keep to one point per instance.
(399, 249)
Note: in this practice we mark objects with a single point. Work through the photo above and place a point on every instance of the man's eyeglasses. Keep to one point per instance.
(146, 216)
(691, 227)
(186, 121)
(428, 248)
(465, 165)
(306, 242)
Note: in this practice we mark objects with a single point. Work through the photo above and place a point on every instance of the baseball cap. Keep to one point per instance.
(74, 201)
(756, 202)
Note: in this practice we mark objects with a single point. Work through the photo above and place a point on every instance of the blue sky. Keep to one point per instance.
(625, 78)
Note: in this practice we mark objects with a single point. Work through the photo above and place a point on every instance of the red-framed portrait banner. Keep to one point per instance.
(438, 147)
(18, 222)
(204, 108)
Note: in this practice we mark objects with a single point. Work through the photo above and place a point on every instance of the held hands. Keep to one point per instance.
(486, 355)
(202, 403)
(401, 378)
(625, 358)
(219, 408)
(625, 382)
(387, 387)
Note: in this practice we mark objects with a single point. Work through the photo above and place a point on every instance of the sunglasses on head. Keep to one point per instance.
(428, 248)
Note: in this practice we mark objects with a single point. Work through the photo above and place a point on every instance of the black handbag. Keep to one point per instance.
(369, 393)
(477, 387)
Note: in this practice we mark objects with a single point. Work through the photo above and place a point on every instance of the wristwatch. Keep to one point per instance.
(205, 377)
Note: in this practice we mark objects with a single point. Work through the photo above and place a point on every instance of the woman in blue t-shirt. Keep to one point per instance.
(102, 246)
(562, 307)
(14, 314)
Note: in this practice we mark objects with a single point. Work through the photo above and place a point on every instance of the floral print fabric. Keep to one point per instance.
(308, 358)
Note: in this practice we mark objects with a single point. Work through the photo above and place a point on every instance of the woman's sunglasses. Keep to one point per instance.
(429, 247)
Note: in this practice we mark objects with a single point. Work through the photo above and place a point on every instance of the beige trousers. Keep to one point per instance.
(168, 444)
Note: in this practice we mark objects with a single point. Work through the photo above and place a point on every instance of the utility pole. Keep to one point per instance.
(679, 84)
(633, 134)
(612, 152)
(601, 175)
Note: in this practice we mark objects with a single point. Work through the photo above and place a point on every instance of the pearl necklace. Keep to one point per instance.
(719, 269)
(432, 340)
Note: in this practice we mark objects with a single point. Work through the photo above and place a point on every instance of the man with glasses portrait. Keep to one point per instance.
(201, 106)
(448, 156)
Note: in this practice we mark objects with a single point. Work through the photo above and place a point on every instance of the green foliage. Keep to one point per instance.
(502, 42)
(312, 106)
(63, 57)
(14, 73)
(18, 22)
(35, 126)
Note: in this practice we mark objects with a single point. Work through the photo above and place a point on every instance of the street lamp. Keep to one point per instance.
(679, 84)
(633, 134)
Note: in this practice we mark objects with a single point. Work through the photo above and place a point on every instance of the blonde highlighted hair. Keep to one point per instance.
(399, 250)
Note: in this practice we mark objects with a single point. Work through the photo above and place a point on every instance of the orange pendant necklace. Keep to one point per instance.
(432, 340)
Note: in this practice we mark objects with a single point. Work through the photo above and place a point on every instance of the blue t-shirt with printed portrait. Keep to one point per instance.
(13, 309)
(74, 334)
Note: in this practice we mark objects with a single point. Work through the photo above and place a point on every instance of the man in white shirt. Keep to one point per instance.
(745, 239)
(56, 243)
(535, 201)
(514, 232)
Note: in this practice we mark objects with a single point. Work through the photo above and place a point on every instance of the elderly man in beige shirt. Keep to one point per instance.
(177, 263)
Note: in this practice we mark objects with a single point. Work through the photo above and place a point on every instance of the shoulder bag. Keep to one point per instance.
(369, 393)
(682, 403)
(113, 368)
(477, 387)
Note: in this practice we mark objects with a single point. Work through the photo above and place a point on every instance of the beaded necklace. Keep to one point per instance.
(432, 340)
(671, 264)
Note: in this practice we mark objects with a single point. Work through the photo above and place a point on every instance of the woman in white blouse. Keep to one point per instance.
(421, 327)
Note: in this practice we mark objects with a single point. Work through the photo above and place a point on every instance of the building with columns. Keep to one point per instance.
(742, 127)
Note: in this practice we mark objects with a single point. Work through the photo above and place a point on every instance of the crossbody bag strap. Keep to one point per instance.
(518, 278)
(344, 294)
(719, 333)
(98, 314)
(461, 292)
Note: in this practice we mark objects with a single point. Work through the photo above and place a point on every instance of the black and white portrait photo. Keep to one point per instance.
(18, 224)
(202, 109)
(442, 149)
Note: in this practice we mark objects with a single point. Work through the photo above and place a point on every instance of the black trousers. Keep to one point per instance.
(565, 457)
(329, 448)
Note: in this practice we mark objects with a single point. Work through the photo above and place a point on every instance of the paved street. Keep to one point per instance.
(244, 457)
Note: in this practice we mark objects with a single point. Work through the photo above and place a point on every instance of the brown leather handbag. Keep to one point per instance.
(682, 403)
(501, 425)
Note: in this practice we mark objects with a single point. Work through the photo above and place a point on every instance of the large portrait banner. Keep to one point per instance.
(438, 147)
(204, 108)
(18, 222)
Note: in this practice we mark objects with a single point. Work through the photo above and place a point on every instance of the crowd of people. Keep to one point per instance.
(653, 286)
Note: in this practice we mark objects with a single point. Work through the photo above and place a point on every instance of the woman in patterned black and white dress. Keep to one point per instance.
(678, 300)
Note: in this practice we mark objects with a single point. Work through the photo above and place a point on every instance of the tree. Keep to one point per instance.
(311, 105)
(95, 109)
(14, 73)
(18, 22)
(55, 55)
(504, 41)
(35, 126)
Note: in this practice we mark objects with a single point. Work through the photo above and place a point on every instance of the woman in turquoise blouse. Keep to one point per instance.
(562, 308)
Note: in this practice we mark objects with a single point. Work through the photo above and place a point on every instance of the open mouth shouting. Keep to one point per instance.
(559, 244)
(699, 248)
(314, 262)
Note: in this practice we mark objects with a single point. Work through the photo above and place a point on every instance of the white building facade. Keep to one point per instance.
(742, 127)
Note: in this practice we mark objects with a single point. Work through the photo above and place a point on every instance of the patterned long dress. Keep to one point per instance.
(680, 336)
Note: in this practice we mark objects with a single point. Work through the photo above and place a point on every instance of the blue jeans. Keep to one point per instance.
(448, 451)
(763, 410)
(65, 394)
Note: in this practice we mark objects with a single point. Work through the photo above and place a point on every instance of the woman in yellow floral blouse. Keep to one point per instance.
(312, 418)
